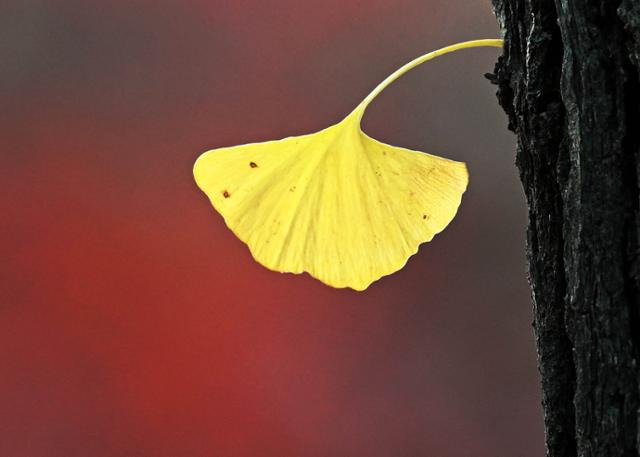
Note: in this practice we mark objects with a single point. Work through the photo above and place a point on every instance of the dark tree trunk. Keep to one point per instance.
(568, 81)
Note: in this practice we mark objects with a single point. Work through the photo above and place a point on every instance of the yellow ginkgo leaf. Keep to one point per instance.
(337, 204)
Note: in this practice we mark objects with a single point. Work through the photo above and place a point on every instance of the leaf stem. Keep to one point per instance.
(496, 43)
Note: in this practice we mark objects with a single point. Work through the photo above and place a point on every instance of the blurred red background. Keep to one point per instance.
(133, 323)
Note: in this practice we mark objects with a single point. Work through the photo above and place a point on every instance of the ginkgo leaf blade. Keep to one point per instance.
(337, 204)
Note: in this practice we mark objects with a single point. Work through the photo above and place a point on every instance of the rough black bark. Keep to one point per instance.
(568, 81)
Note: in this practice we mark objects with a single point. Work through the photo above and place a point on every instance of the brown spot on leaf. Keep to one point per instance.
(292, 189)
(424, 216)
(226, 194)
(253, 165)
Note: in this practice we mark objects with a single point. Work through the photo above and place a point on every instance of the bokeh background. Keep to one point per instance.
(133, 323)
